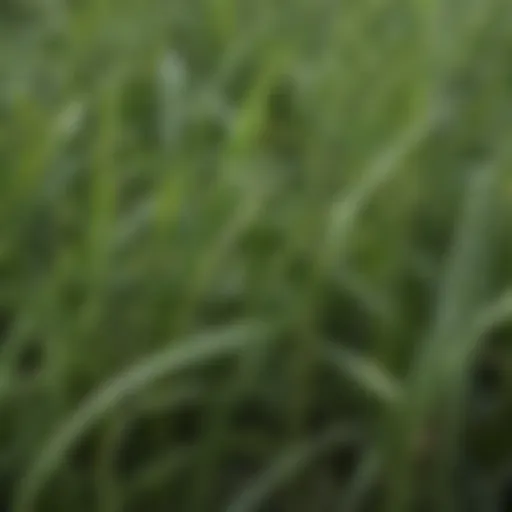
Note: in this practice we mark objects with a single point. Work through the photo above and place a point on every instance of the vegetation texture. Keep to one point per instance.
(255, 255)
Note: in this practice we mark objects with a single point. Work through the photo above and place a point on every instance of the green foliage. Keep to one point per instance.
(255, 255)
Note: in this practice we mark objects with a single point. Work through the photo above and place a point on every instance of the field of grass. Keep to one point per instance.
(255, 256)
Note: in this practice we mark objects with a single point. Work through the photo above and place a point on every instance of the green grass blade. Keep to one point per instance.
(431, 383)
(286, 467)
(185, 354)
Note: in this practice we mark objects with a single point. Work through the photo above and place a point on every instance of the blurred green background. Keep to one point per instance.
(255, 255)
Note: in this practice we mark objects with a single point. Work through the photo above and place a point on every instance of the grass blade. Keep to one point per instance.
(286, 467)
(432, 383)
(200, 349)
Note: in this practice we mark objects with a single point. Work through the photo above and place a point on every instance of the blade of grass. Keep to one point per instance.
(345, 209)
(191, 352)
(431, 381)
(363, 372)
(287, 466)
(359, 487)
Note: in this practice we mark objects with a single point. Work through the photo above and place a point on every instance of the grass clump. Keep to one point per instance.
(255, 256)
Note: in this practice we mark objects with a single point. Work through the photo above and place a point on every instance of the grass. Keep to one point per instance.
(255, 256)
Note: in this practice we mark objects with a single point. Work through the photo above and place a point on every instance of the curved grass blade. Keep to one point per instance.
(363, 372)
(192, 352)
(287, 466)
(346, 209)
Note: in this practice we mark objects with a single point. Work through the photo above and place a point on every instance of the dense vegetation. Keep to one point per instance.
(255, 255)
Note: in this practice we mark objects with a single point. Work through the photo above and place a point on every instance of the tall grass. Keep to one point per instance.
(255, 255)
